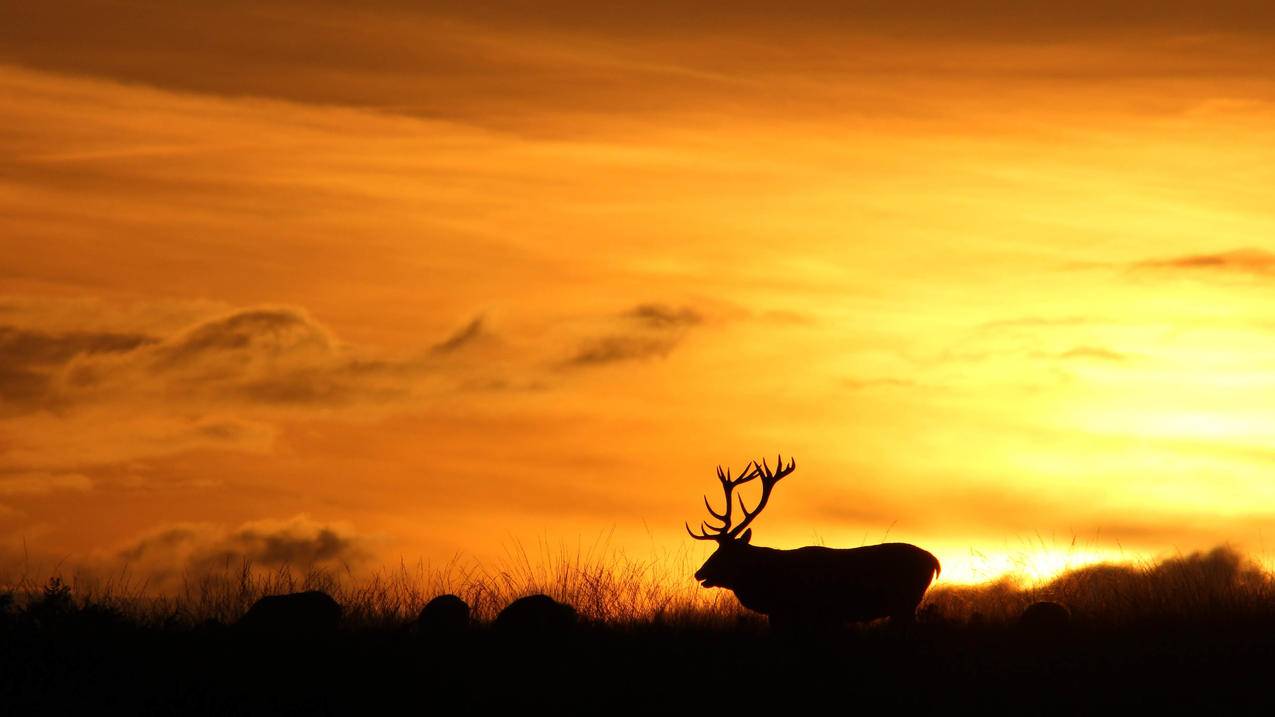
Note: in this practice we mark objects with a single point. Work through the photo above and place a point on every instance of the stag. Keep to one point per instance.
(811, 586)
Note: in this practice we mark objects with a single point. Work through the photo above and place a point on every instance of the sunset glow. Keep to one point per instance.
(425, 282)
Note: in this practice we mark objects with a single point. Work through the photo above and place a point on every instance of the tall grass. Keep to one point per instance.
(607, 586)
(603, 584)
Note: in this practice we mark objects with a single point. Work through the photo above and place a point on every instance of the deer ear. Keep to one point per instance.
(747, 536)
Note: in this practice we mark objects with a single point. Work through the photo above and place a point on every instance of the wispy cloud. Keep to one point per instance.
(28, 359)
(262, 356)
(195, 549)
(1254, 262)
(662, 316)
(616, 348)
(1093, 353)
(467, 335)
(645, 331)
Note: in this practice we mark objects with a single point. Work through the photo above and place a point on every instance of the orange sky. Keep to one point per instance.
(322, 284)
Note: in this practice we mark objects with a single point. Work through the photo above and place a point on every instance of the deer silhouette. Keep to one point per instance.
(812, 586)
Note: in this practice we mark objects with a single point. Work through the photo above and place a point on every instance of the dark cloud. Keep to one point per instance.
(21, 387)
(1254, 262)
(298, 543)
(612, 349)
(270, 356)
(271, 333)
(34, 348)
(267, 356)
(663, 316)
(466, 336)
(28, 359)
(645, 331)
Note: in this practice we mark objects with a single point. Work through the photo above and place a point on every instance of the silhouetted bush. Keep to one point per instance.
(536, 614)
(53, 605)
(1045, 617)
(444, 615)
(307, 613)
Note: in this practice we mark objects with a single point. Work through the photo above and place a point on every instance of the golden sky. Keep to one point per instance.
(332, 283)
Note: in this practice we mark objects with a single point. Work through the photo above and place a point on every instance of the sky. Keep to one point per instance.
(334, 284)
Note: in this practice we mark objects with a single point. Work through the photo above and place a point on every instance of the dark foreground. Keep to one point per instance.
(108, 666)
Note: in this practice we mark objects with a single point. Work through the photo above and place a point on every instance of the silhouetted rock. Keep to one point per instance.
(312, 612)
(1045, 616)
(536, 614)
(444, 615)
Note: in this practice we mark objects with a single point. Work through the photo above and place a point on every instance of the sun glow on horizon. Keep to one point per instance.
(1032, 567)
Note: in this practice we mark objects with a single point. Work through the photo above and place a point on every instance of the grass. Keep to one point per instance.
(608, 587)
(1192, 633)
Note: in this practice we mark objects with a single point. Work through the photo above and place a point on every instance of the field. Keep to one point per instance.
(1193, 633)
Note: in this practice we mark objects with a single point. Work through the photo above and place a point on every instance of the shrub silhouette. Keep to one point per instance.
(444, 615)
(53, 605)
(1045, 617)
(536, 614)
(310, 612)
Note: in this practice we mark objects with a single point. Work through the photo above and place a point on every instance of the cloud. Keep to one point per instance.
(664, 316)
(264, 357)
(259, 356)
(1253, 262)
(462, 60)
(79, 403)
(1090, 353)
(467, 335)
(42, 349)
(198, 548)
(645, 331)
(89, 407)
(278, 357)
(612, 349)
(28, 359)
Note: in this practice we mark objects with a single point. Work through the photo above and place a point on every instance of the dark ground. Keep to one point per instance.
(104, 665)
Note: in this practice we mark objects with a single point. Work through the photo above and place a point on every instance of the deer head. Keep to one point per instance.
(728, 565)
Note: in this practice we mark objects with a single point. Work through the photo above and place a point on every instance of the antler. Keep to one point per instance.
(768, 481)
(726, 531)
(728, 486)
